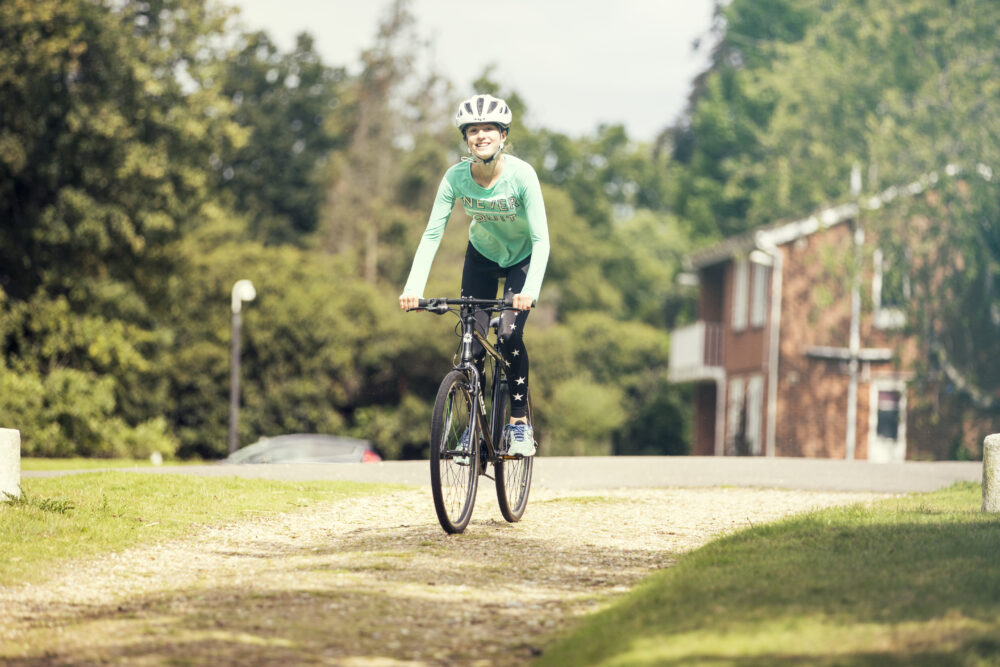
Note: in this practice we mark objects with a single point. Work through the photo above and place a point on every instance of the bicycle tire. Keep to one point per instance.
(453, 484)
(512, 476)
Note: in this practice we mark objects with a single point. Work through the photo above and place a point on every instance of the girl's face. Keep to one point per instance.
(484, 139)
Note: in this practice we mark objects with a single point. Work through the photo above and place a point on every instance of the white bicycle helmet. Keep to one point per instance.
(483, 109)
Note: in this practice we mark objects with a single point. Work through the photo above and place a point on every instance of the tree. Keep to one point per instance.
(108, 121)
(284, 101)
(801, 90)
(729, 111)
(383, 115)
(108, 116)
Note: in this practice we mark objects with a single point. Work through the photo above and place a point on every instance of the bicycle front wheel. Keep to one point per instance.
(512, 476)
(454, 453)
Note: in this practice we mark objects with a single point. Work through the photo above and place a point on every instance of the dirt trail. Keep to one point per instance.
(374, 581)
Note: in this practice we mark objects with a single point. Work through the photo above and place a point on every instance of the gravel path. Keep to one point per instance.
(375, 581)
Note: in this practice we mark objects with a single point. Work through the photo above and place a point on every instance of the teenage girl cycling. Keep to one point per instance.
(508, 238)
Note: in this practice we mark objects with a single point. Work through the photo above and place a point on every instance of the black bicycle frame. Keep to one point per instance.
(470, 334)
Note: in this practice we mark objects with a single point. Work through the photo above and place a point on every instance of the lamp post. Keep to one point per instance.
(242, 291)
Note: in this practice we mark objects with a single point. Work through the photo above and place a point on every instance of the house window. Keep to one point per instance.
(741, 289)
(887, 421)
(887, 415)
(758, 296)
(744, 416)
(890, 291)
(755, 412)
(736, 418)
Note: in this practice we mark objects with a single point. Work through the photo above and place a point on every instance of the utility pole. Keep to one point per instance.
(854, 345)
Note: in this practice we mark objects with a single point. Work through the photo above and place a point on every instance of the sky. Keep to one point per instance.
(575, 64)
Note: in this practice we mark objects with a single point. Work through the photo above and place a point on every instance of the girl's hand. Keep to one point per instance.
(522, 301)
(408, 301)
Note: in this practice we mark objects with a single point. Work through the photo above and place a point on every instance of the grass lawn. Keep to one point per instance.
(79, 463)
(909, 581)
(96, 512)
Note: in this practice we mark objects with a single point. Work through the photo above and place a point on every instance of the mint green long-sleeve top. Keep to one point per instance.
(508, 222)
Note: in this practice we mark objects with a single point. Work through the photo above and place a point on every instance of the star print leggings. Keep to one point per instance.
(480, 278)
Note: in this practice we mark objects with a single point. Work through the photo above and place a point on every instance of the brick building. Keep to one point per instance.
(796, 354)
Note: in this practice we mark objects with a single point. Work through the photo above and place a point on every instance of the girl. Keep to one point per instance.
(508, 238)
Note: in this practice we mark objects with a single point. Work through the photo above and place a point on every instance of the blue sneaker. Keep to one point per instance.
(465, 445)
(520, 439)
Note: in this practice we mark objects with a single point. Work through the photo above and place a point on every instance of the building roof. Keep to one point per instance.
(780, 233)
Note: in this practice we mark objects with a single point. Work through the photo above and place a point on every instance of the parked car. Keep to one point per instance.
(306, 448)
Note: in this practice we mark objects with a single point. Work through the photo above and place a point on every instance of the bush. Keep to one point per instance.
(581, 417)
(72, 413)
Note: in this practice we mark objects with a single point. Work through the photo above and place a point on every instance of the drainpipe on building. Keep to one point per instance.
(854, 344)
(773, 252)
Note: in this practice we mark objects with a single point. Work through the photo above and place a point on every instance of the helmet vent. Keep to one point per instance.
(479, 105)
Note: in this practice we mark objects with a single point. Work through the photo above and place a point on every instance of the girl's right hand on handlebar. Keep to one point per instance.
(408, 301)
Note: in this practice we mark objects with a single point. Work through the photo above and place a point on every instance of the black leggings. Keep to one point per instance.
(480, 278)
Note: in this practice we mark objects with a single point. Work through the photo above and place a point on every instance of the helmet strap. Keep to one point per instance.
(478, 160)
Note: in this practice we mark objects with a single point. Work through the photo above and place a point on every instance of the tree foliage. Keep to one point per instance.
(802, 90)
(107, 119)
(283, 102)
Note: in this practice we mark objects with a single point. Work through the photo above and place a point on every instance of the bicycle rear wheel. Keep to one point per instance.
(454, 474)
(512, 476)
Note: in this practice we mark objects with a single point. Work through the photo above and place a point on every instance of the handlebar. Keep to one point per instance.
(442, 305)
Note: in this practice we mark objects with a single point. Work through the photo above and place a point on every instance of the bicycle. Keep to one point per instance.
(460, 408)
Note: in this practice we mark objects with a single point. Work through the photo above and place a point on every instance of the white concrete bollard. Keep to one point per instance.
(10, 463)
(991, 473)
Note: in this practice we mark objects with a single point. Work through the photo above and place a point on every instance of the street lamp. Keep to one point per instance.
(242, 291)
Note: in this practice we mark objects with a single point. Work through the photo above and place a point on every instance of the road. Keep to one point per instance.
(603, 472)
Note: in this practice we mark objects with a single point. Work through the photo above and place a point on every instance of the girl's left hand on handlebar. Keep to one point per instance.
(522, 301)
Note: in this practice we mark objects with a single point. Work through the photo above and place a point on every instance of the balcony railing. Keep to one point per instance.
(696, 352)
